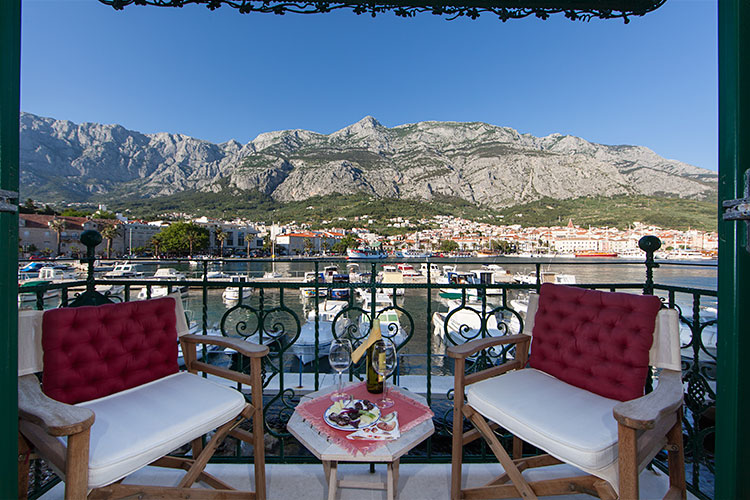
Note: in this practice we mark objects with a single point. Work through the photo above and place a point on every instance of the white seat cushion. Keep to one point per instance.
(135, 427)
(569, 423)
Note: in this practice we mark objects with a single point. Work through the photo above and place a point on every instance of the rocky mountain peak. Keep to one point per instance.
(481, 163)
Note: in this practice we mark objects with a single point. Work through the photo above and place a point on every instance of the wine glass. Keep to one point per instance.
(384, 362)
(340, 357)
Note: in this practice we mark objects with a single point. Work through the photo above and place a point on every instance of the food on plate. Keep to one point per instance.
(354, 414)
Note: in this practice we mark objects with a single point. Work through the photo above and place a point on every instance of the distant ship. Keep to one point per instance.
(596, 254)
(366, 253)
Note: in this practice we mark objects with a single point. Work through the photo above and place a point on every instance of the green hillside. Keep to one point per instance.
(346, 211)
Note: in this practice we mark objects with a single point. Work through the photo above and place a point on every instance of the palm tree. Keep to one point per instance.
(58, 226)
(191, 236)
(110, 232)
(155, 242)
(221, 237)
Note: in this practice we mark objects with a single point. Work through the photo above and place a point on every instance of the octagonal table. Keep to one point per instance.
(331, 453)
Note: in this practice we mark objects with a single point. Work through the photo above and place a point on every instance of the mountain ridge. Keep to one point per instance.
(481, 163)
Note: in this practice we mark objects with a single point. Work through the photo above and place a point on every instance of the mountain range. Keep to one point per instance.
(483, 164)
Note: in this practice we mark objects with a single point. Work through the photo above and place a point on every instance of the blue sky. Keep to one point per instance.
(222, 75)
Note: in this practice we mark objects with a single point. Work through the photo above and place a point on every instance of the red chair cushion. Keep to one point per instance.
(94, 351)
(598, 341)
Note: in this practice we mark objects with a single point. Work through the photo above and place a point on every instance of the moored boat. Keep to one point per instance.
(365, 253)
(591, 253)
(304, 346)
(232, 293)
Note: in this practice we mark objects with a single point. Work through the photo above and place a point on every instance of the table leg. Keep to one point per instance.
(332, 479)
(389, 482)
(395, 475)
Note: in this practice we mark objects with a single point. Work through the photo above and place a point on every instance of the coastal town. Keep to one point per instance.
(49, 235)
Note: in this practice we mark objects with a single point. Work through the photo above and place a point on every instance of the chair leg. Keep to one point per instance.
(628, 462)
(509, 466)
(201, 460)
(457, 448)
(259, 445)
(677, 458)
(77, 466)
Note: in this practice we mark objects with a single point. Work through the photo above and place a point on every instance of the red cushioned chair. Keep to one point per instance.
(578, 395)
(112, 399)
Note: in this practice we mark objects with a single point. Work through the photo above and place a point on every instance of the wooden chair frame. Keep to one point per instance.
(42, 420)
(642, 424)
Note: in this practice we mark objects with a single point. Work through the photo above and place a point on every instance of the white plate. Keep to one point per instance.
(326, 416)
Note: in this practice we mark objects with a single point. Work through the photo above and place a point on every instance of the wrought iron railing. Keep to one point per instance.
(422, 327)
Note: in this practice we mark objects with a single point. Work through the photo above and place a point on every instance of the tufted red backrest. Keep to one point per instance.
(598, 341)
(94, 351)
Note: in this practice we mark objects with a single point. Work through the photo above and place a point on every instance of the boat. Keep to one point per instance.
(465, 323)
(458, 278)
(390, 275)
(365, 253)
(160, 290)
(382, 300)
(499, 274)
(487, 277)
(433, 269)
(339, 293)
(232, 293)
(58, 274)
(304, 346)
(308, 292)
(411, 253)
(124, 270)
(390, 326)
(592, 253)
(198, 260)
(408, 271)
(217, 275)
(31, 296)
(546, 277)
(32, 267)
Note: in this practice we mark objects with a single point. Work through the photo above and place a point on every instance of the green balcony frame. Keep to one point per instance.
(733, 458)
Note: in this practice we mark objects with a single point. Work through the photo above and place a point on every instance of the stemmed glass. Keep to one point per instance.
(340, 357)
(384, 362)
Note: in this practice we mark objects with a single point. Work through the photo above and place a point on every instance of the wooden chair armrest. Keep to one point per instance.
(463, 351)
(56, 418)
(249, 349)
(644, 412)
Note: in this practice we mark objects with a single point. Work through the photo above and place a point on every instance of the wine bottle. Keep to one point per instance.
(374, 380)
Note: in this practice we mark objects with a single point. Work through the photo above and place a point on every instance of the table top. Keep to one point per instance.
(326, 450)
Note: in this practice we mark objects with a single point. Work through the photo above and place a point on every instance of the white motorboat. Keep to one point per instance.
(366, 253)
(411, 253)
(124, 270)
(390, 326)
(408, 271)
(546, 277)
(58, 274)
(390, 275)
(164, 274)
(232, 293)
(304, 346)
(466, 323)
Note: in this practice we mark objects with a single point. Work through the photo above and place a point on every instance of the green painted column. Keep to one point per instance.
(733, 410)
(10, 69)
